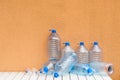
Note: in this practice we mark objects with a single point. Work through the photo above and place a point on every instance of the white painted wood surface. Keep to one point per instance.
(35, 76)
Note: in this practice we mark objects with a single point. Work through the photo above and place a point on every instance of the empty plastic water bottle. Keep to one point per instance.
(82, 69)
(83, 54)
(65, 64)
(67, 48)
(96, 53)
(100, 67)
(49, 67)
(54, 45)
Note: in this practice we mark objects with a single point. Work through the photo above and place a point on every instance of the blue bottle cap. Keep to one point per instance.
(89, 71)
(56, 75)
(45, 69)
(53, 31)
(95, 43)
(81, 43)
(67, 44)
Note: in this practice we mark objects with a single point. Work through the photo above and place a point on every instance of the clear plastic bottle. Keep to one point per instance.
(100, 67)
(96, 53)
(83, 54)
(65, 64)
(82, 69)
(49, 67)
(67, 48)
(54, 47)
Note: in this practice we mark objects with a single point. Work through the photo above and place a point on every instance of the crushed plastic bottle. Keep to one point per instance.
(83, 54)
(65, 64)
(67, 48)
(96, 53)
(54, 48)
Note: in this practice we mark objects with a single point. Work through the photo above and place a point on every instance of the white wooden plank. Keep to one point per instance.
(66, 77)
(1, 74)
(49, 77)
(12, 76)
(105, 76)
(19, 76)
(4, 75)
(59, 78)
(42, 77)
(34, 76)
(26, 76)
(90, 77)
(97, 77)
(82, 77)
(73, 76)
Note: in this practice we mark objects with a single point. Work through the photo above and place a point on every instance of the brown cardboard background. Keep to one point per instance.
(24, 26)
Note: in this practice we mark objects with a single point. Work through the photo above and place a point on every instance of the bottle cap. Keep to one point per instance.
(56, 75)
(95, 43)
(81, 43)
(67, 44)
(53, 31)
(89, 71)
(45, 69)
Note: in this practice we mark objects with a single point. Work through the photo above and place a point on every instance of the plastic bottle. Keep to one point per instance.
(54, 45)
(100, 67)
(67, 48)
(49, 67)
(82, 69)
(65, 64)
(83, 54)
(96, 53)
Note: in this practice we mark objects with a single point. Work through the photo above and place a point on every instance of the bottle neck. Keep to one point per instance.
(97, 46)
(82, 46)
(68, 46)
